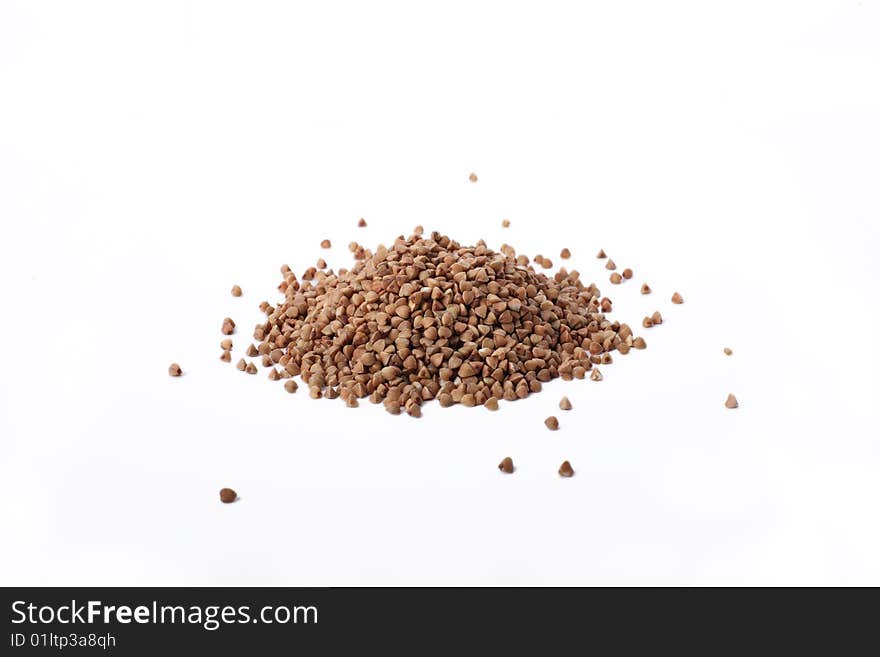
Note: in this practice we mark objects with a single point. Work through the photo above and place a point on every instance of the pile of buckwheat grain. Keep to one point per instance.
(428, 318)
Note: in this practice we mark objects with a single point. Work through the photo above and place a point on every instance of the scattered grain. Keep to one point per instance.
(728, 351)
(228, 327)
(505, 223)
(595, 375)
(731, 402)
(226, 356)
(506, 465)
(610, 265)
(627, 273)
(601, 254)
(362, 223)
(647, 322)
(565, 470)
(174, 370)
(615, 278)
(236, 291)
(251, 368)
(472, 177)
(565, 254)
(325, 244)
(552, 423)
(646, 289)
(228, 496)
(656, 317)
(565, 404)
(676, 298)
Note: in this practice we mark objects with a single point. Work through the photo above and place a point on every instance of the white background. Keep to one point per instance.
(153, 154)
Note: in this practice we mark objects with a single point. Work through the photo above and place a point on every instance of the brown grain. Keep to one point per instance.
(552, 423)
(236, 291)
(506, 465)
(565, 404)
(228, 327)
(565, 470)
(427, 318)
(676, 298)
(174, 370)
(731, 402)
(228, 496)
